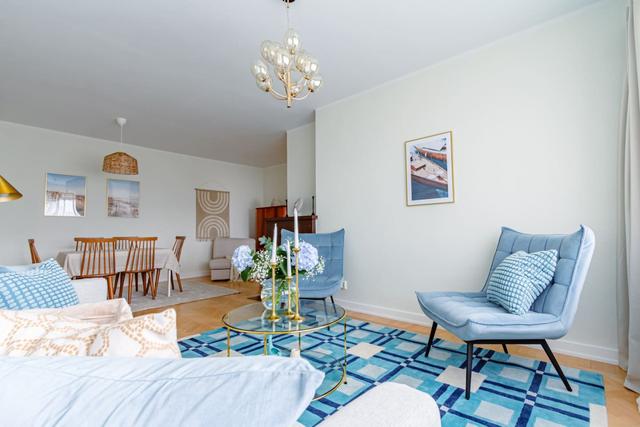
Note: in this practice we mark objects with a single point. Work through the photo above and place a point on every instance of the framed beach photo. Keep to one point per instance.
(65, 195)
(429, 170)
(123, 198)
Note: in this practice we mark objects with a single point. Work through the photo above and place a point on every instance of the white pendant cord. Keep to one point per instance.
(288, 15)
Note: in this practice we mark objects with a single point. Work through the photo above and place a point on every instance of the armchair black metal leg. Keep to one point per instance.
(334, 305)
(555, 364)
(431, 335)
(467, 389)
(504, 347)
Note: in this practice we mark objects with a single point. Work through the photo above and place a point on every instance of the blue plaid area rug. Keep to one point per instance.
(508, 390)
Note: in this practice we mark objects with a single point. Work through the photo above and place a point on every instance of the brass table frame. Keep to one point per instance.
(266, 334)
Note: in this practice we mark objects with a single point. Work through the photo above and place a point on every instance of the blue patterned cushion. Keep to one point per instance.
(518, 280)
(46, 285)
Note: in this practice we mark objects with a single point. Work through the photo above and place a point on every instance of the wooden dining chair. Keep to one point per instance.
(177, 250)
(35, 258)
(98, 260)
(123, 243)
(140, 262)
(77, 241)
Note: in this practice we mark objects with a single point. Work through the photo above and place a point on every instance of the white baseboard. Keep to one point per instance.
(571, 348)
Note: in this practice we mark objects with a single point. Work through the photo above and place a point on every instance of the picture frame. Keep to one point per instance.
(65, 195)
(429, 170)
(123, 198)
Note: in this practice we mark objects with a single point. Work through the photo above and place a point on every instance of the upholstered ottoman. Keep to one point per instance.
(388, 405)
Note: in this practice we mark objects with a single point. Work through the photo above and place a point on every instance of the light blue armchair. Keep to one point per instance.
(331, 247)
(472, 318)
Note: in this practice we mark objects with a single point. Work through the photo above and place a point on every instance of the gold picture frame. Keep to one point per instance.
(429, 170)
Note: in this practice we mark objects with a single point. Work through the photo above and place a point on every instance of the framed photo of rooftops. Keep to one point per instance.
(429, 170)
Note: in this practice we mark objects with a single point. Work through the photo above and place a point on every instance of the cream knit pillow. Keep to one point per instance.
(29, 333)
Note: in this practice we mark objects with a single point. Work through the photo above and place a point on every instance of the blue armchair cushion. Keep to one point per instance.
(520, 278)
(44, 285)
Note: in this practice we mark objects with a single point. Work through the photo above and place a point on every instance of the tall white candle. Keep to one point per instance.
(274, 257)
(288, 259)
(296, 239)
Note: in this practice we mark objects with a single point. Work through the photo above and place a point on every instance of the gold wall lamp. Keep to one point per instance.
(7, 191)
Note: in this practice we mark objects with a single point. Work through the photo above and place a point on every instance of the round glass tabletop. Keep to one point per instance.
(253, 318)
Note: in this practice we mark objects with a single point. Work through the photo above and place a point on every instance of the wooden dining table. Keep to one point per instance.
(71, 260)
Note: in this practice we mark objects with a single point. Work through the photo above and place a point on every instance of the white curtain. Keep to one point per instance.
(629, 220)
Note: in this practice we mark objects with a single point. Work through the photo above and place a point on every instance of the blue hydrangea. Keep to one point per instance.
(308, 256)
(242, 258)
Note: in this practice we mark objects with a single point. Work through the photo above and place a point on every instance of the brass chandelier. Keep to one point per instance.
(295, 68)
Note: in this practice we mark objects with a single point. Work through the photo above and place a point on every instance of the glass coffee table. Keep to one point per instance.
(252, 319)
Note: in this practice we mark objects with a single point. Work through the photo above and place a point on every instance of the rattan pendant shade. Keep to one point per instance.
(120, 162)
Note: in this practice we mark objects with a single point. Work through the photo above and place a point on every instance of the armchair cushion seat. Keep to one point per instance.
(220, 264)
(470, 316)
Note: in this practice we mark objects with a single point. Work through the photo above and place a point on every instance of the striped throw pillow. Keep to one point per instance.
(520, 278)
(44, 285)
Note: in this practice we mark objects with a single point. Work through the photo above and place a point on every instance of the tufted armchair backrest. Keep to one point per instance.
(561, 297)
(330, 246)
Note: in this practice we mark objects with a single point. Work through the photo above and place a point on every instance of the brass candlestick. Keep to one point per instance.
(289, 313)
(273, 317)
(297, 316)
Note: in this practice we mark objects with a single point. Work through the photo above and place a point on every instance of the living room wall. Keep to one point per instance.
(535, 129)
(167, 183)
(301, 167)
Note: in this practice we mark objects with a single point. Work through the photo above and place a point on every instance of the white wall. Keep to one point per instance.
(301, 166)
(167, 183)
(274, 185)
(535, 127)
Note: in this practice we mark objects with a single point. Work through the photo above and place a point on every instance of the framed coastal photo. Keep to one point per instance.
(429, 170)
(65, 195)
(123, 198)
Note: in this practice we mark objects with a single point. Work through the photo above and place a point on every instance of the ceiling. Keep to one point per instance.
(179, 69)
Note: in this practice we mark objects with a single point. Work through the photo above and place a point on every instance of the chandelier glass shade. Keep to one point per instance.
(296, 69)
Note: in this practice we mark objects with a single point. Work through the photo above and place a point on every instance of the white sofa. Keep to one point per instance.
(388, 405)
(90, 290)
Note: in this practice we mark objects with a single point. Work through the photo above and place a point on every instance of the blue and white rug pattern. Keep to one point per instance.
(507, 390)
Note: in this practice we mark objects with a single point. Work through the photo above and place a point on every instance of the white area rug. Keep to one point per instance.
(193, 291)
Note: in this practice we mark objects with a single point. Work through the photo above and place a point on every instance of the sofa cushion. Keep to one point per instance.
(44, 285)
(231, 392)
(34, 333)
(520, 278)
(220, 264)
(103, 313)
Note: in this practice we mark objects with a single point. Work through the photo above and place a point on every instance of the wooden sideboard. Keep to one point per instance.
(261, 216)
(307, 224)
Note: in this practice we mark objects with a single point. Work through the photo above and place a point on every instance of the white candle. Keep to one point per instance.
(274, 257)
(288, 259)
(296, 240)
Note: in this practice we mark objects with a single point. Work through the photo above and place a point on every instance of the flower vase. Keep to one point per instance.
(281, 294)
